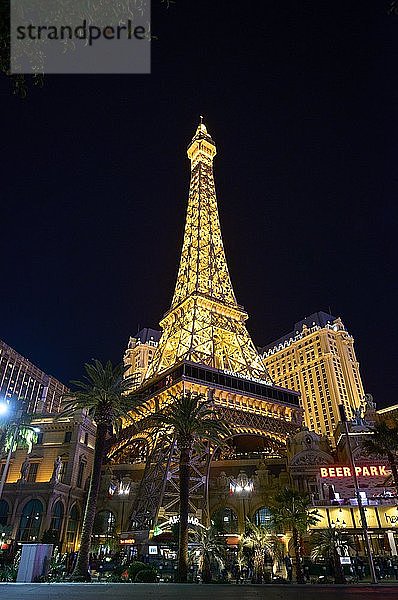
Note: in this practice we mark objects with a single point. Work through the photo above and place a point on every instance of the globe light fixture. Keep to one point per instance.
(4, 408)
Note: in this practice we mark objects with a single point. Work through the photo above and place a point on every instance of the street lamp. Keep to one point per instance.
(243, 487)
(4, 408)
(123, 491)
(362, 513)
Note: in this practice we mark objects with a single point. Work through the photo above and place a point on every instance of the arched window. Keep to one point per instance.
(4, 508)
(262, 516)
(72, 528)
(104, 525)
(29, 525)
(57, 517)
(225, 520)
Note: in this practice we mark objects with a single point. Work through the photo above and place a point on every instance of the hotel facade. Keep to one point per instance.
(318, 360)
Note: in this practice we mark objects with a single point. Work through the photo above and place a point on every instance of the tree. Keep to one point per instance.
(241, 562)
(384, 442)
(14, 433)
(212, 549)
(261, 541)
(104, 395)
(18, 435)
(292, 511)
(191, 419)
(329, 543)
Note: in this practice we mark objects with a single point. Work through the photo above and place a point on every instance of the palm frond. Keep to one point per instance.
(193, 419)
(326, 542)
(105, 393)
(292, 509)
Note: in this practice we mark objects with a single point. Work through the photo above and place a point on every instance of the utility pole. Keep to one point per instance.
(362, 513)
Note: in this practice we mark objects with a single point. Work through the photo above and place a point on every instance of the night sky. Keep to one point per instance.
(301, 100)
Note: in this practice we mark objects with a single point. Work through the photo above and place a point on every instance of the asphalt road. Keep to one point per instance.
(147, 591)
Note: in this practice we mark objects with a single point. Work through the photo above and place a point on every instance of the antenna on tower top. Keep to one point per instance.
(201, 119)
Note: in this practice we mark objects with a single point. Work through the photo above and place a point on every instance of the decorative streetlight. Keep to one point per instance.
(243, 487)
(362, 513)
(123, 492)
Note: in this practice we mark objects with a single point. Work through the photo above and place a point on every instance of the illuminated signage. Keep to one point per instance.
(243, 376)
(191, 520)
(173, 520)
(127, 542)
(363, 471)
(391, 519)
(152, 549)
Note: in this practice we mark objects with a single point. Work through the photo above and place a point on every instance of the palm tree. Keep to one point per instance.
(190, 418)
(211, 549)
(13, 434)
(384, 442)
(104, 395)
(260, 539)
(241, 562)
(16, 435)
(327, 543)
(292, 511)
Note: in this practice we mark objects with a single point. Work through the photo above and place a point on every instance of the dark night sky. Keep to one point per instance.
(301, 99)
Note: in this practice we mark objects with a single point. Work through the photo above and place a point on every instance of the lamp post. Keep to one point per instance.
(243, 487)
(123, 492)
(362, 513)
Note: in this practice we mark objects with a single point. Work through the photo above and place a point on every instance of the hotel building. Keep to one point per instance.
(318, 359)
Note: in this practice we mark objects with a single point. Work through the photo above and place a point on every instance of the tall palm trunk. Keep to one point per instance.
(297, 551)
(82, 565)
(259, 564)
(206, 569)
(339, 576)
(184, 511)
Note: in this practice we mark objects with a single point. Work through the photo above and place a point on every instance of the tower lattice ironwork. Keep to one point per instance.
(205, 324)
(204, 348)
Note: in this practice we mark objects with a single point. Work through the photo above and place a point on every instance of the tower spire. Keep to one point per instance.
(205, 324)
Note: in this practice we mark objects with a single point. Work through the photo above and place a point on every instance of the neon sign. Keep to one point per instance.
(363, 471)
(191, 520)
(243, 376)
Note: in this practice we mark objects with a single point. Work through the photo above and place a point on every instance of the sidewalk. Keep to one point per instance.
(146, 591)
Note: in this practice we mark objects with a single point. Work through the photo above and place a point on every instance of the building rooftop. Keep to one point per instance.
(317, 319)
(147, 334)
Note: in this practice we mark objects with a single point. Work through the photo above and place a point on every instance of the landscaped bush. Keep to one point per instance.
(135, 568)
(146, 576)
(8, 573)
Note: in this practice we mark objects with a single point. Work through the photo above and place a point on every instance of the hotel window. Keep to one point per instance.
(63, 472)
(80, 473)
(32, 473)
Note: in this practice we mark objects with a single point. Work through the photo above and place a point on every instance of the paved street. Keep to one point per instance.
(63, 591)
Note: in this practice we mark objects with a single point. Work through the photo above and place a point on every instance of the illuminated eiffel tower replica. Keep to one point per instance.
(204, 348)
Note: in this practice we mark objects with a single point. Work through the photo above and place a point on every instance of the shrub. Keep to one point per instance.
(135, 567)
(146, 576)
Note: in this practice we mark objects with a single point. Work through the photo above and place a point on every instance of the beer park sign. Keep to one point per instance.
(360, 471)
